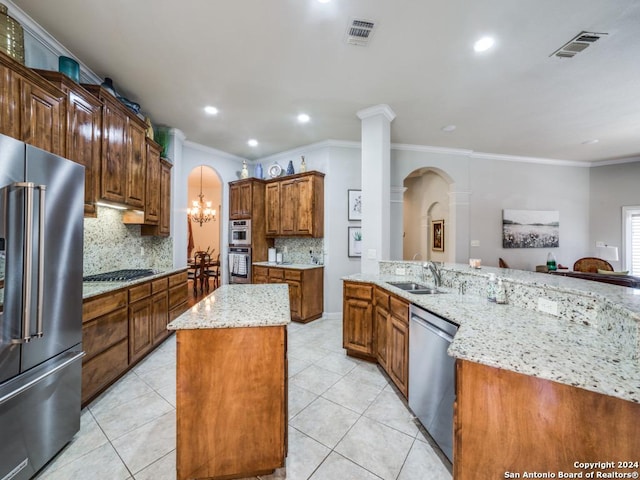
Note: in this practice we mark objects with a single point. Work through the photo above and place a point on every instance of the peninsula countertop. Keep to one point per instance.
(578, 352)
(236, 306)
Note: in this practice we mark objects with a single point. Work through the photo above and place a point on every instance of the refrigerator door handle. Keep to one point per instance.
(25, 336)
(41, 239)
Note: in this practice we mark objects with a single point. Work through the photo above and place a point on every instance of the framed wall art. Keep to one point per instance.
(437, 235)
(355, 205)
(355, 241)
(530, 228)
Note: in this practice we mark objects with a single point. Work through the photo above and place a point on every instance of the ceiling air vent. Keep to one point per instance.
(577, 44)
(359, 32)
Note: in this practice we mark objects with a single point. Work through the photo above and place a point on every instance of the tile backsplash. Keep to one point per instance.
(298, 249)
(110, 245)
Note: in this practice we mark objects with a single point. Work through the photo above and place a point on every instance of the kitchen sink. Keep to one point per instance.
(416, 288)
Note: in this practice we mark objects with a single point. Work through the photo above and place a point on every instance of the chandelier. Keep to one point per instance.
(201, 211)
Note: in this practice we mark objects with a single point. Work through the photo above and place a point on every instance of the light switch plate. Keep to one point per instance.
(475, 243)
(372, 254)
(548, 306)
(400, 271)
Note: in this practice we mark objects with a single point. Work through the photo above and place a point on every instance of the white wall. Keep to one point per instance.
(496, 185)
(612, 187)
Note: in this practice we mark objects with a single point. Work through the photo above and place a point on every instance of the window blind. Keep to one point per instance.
(635, 244)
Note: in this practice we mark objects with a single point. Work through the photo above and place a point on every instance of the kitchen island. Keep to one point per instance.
(232, 383)
(536, 392)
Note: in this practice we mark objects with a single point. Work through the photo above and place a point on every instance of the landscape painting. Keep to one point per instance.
(530, 229)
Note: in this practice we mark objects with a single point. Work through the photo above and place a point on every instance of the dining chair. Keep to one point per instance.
(213, 271)
(592, 265)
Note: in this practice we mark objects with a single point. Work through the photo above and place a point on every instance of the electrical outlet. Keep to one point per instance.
(372, 254)
(400, 271)
(285, 249)
(548, 306)
(141, 250)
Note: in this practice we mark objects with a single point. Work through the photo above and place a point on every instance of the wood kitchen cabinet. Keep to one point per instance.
(123, 148)
(152, 184)
(241, 195)
(121, 327)
(306, 288)
(32, 109)
(82, 128)
(357, 322)
(296, 206)
(398, 344)
(499, 415)
(376, 327)
(163, 227)
(247, 201)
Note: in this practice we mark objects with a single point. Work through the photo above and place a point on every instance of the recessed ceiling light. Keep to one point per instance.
(324, 1)
(485, 43)
(253, 142)
(590, 142)
(448, 128)
(303, 118)
(211, 110)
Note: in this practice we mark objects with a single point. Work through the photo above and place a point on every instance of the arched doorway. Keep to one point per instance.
(428, 225)
(204, 235)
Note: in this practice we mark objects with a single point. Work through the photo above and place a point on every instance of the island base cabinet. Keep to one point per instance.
(231, 402)
(508, 423)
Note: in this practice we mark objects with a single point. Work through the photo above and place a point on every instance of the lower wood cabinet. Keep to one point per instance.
(306, 286)
(510, 422)
(121, 327)
(376, 327)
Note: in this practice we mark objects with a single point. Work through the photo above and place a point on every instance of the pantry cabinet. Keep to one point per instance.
(31, 108)
(82, 126)
(295, 205)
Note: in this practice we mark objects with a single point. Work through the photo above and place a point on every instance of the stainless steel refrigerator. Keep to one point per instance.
(41, 229)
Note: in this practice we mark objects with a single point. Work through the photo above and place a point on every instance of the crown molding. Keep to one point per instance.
(429, 149)
(616, 161)
(520, 159)
(382, 109)
(50, 43)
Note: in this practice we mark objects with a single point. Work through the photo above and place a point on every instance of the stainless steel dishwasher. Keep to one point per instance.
(432, 375)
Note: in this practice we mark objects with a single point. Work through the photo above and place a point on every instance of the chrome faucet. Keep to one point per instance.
(416, 255)
(435, 271)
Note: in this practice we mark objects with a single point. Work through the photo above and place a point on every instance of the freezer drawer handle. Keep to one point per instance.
(74, 356)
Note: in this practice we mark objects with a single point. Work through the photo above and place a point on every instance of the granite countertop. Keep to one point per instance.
(526, 341)
(238, 305)
(92, 289)
(293, 266)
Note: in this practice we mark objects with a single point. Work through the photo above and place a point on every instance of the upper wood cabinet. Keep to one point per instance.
(82, 139)
(31, 108)
(296, 206)
(241, 198)
(152, 195)
(122, 158)
(163, 226)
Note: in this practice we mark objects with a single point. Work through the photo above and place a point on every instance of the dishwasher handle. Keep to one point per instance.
(431, 327)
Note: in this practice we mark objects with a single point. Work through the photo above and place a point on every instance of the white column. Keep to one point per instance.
(376, 185)
(178, 198)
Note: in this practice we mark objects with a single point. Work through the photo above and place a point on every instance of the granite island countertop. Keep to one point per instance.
(92, 289)
(581, 350)
(236, 306)
(293, 266)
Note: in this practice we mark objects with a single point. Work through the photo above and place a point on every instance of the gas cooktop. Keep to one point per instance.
(120, 275)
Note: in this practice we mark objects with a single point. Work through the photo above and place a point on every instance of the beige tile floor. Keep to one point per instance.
(346, 421)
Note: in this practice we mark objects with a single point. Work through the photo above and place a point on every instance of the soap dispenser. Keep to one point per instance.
(491, 288)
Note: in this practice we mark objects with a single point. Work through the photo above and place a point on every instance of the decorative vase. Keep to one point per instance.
(290, 170)
(303, 165)
(245, 171)
(70, 68)
(258, 171)
(11, 36)
(357, 247)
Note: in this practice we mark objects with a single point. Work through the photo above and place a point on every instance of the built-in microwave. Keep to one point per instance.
(240, 232)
